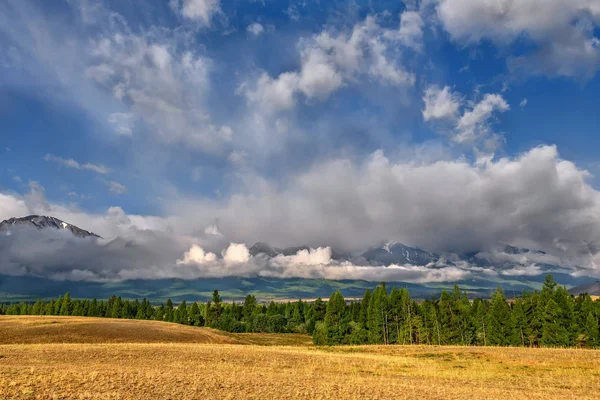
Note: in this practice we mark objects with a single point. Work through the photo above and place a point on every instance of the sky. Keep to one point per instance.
(450, 125)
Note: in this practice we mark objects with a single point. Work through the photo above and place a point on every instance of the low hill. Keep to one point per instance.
(54, 329)
(593, 289)
(26, 329)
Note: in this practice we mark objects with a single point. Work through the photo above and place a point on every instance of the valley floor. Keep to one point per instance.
(209, 364)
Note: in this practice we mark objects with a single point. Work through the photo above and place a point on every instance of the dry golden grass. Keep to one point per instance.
(55, 329)
(220, 370)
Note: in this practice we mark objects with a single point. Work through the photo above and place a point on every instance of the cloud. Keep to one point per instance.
(535, 200)
(523, 103)
(70, 163)
(149, 77)
(474, 124)
(562, 32)
(331, 60)
(197, 255)
(311, 263)
(411, 30)
(236, 253)
(200, 11)
(440, 103)
(123, 123)
(116, 188)
(255, 28)
(163, 82)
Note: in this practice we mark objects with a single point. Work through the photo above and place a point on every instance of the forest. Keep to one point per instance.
(550, 317)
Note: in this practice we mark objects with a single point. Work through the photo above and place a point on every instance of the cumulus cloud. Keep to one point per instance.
(201, 11)
(474, 126)
(411, 30)
(535, 200)
(333, 59)
(70, 163)
(255, 29)
(475, 123)
(236, 253)
(312, 263)
(563, 32)
(440, 103)
(197, 255)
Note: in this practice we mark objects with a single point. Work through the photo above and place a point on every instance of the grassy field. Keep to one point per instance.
(79, 358)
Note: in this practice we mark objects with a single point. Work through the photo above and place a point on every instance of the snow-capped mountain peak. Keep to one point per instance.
(44, 222)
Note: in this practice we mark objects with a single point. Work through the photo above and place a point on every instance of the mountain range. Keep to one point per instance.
(510, 273)
(384, 254)
(44, 222)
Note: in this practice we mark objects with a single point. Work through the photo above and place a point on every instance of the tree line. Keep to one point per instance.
(550, 317)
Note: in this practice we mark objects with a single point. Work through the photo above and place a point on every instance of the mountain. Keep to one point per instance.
(263, 248)
(44, 222)
(29, 288)
(592, 288)
(399, 254)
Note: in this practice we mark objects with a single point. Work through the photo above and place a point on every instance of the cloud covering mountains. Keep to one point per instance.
(536, 201)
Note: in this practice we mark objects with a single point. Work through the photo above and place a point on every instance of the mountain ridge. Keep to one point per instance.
(42, 222)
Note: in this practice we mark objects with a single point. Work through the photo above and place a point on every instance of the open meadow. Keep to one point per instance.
(85, 358)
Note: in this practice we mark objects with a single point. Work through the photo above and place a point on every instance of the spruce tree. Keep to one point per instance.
(499, 322)
(335, 321)
(592, 336)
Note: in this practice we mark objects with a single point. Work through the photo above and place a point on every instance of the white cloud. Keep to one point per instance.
(255, 28)
(164, 86)
(116, 188)
(311, 263)
(331, 60)
(523, 103)
(236, 253)
(564, 31)
(411, 30)
(318, 256)
(201, 11)
(441, 103)
(474, 124)
(533, 201)
(197, 255)
(123, 123)
(237, 157)
(70, 163)
(273, 94)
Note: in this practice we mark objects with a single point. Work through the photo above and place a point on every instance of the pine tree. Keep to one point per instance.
(499, 322)
(249, 307)
(66, 307)
(364, 308)
(335, 318)
(182, 313)
(520, 321)
(592, 336)
(553, 333)
(378, 316)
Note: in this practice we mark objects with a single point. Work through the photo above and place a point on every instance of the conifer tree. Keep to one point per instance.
(335, 318)
(592, 335)
(499, 321)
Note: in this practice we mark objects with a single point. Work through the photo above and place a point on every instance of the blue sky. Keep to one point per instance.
(292, 121)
